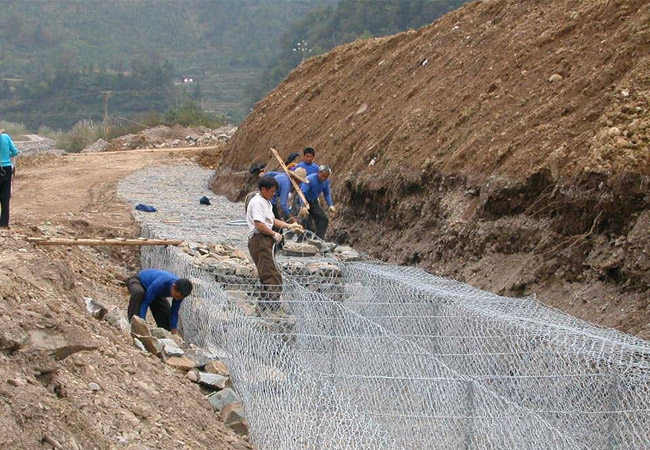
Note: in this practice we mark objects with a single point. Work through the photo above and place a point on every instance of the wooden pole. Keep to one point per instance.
(141, 150)
(100, 241)
(295, 185)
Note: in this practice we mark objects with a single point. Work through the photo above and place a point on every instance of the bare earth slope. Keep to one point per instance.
(506, 145)
(141, 402)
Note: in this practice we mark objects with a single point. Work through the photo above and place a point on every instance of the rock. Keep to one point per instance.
(614, 131)
(94, 387)
(625, 93)
(95, 309)
(139, 345)
(193, 375)
(217, 367)
(199, 356)
(16, 382)
(246, 270)
(299, 249)
(232, 415)
(362, 109)
(181, 363)
(139, 327)
(555, 77)
(171, 348)
(12, 340)
(213, 380)
(117, 318)
(152, 344)
(97, 146)
(160, 333)
(221, 398)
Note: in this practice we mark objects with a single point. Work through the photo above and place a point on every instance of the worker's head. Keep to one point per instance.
(308, 155)
(267, 187)
(300, 175)
(324, 172)
(181, 288)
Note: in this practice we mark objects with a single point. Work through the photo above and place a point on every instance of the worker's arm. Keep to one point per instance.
(173, 316)
(13, 151)
(264, 229)
(155, 290)
(327, 193)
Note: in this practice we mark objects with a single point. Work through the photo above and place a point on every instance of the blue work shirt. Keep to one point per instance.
(284, 188)
(315, 188)
(7, 150)
(158, 283)
(309, 168)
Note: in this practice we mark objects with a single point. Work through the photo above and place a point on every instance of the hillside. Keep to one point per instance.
(506, 145)
(203, 39)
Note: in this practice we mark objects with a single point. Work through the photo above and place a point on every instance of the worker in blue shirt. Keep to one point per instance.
(280, 200)
(319, 183)
(308, 155)
(150, 288)
(7, 151)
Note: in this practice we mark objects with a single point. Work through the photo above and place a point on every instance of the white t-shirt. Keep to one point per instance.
(259, 209)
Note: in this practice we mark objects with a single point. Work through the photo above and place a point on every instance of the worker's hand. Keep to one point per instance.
(277, 237)
(332, 209)
(174, 331)
(296, 227)
(304, 212)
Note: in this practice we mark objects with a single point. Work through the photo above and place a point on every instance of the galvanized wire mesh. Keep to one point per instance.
(364, 355)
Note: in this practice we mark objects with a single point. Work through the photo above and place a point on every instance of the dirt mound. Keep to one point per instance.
(507, 145)
(110, 395)
(166, 137)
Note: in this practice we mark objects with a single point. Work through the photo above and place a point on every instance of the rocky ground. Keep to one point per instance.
(506, 145)
(67, 379)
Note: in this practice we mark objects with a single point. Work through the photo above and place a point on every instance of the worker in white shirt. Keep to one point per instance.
(260, 218)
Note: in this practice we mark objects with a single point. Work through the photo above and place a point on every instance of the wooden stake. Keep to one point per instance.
(101, 241)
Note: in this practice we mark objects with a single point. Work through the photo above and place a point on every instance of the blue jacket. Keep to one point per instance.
(283, 192)
(310, 168)
(315, 188)
(7, 150)
(158, 283)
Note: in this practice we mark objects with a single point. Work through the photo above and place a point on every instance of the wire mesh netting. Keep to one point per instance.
(368, 355)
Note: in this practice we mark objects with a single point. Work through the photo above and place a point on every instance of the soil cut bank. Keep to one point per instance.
(506, 145)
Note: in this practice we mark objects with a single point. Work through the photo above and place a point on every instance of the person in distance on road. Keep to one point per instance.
(7, 171)
(150, 288)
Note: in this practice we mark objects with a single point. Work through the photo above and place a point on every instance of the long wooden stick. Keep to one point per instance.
(101, 241)
(295, 185)
(140, 150)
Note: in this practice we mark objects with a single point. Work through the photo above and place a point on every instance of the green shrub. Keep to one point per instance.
(190, 114)
(81, 136)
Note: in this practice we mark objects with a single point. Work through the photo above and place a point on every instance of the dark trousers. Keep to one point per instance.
(6, 173)
(261, 250)
(160, 307)
(319, 219)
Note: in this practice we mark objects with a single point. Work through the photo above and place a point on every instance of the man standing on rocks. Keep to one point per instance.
(150, 288)
(261, 220)
(319, 183)
(7, 151)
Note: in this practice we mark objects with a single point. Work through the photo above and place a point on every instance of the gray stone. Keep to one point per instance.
(199, 356)
(221, 398)
(139, 345)
(299, 249)
(171, 348)
(160, 333)
(555, 77)
(95, 309)
(94, 387)
(117, 318)
(213, 380)
(232, 415)
(152, 344)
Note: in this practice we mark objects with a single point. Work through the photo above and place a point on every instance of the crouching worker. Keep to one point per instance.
(150, 288)
(261, 220)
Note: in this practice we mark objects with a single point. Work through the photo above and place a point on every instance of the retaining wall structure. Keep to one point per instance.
(367, 355)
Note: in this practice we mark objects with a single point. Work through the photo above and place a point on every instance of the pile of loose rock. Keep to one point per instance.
(201, 366)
